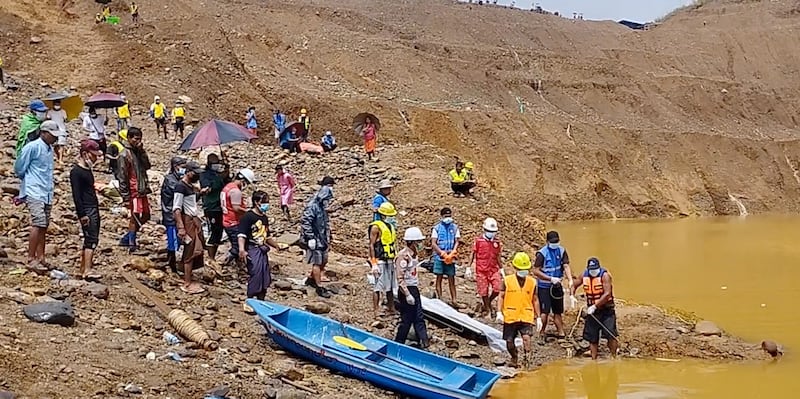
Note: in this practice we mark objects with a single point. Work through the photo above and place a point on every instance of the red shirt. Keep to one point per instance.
(229, 216)
(486, 252)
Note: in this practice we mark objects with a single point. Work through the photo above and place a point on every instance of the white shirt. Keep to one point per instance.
(96, 127)
(435, 234)
(59, 117)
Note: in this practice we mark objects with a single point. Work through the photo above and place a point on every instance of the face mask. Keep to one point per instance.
(490, 235)
(217, 167)
(56, 107)
(181, 171)
(41, 115)
(263, 207)
(552, 245)
(594, 272)
(122, 97)
(522, 273)
(391, 220)
(447, 220)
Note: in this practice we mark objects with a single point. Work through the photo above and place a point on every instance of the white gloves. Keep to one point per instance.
(376, 271)
(591, 309)
(555, 280)
(499, 317)
(410, 300)
(573, 303)
(468, 273)
(539, 324)
(312, 244)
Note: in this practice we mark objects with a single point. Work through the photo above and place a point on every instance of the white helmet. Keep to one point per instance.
(248, 175)
(413, 234)
(490, 225)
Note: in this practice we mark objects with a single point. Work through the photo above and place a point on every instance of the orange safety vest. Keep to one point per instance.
(593, 288)
(518, 301)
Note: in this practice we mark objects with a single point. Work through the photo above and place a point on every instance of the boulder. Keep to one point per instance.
(55, 312)
(141, 264)
(707, 328)
(465, 354)
(96, 290)
(283, 285)
(318, 307)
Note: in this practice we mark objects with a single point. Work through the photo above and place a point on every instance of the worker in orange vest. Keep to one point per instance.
(600, 314)
(519, 307)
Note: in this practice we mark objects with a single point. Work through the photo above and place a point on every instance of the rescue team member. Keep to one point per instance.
(178, 118)
(601, 317)
(113, 151)
(550, 267)
(458, 180)
(123, 113)
(445, 238)
(384, 190)
(486, 261)
(518, 302)
(134, 12)
(382, 252)
(158, 111)
(410, 303)
(306, 121)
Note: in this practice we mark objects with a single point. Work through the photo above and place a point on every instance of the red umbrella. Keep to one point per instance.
(215, 132)
(105, 101)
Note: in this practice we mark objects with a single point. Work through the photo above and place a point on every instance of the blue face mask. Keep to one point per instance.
(490, 235)
(391, 220)
(522, 273)
(263, 207)
(181, 171)
(553, 245)
(594, 272)
(447, 220)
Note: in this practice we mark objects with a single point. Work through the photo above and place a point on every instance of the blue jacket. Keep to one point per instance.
(553, 264)
(446, 237)
(279, 121)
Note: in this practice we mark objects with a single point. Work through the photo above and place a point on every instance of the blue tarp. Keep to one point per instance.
(632, 25)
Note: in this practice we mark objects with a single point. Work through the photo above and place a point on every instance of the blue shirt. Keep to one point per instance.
(376, 203)
(446, 236)
(251, 120)
(35, 167)
(279, 121)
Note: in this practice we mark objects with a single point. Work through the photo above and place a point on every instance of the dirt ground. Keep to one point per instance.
(564, 120)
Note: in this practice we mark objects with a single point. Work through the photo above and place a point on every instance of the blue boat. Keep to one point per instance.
(385, 363)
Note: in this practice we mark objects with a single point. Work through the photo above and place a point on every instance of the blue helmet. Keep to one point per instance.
(38, 106)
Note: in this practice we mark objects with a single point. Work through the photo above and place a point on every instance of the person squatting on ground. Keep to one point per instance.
(487, 264)
(254, 243)
(286, 185)
(445, 240)
(382, 252)
(212, 181)
(233, 208)
(550, 268)
(133, 165)
(34, 167)
(409, 301)
(190, 227)
(171, 180)
(600, 314)
(315, 232)
(459, 183)
(518, 303)
(87, 207)
(328, 142)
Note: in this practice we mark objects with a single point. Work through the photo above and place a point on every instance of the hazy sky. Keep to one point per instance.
(634, 10)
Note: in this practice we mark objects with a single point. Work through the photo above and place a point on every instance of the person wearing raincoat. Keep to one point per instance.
(315, 232)
(29, 126)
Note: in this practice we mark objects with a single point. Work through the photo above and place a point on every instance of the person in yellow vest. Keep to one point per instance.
(458, 180)
(519, 306)
(178, 118)
(114, 149)
(158, 111)
(600, 314)
(2, 78)
(134, 12)
(306, 121)
(123, 114)
(382, 252)
(106, 12)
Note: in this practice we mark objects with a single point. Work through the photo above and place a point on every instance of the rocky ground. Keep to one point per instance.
(115, 346)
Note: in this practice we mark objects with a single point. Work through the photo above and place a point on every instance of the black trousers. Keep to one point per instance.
(411, 315)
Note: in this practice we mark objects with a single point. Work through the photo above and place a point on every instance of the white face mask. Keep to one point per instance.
(522, 273)
(553, 245)
(56, 107)
(41, 116)
(594, 272)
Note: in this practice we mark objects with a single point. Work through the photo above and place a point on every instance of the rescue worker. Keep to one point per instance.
(384, 189)
(519, 304)
(550, 268)
(158, 111)
(123, 113)
(315, 232)
(409, 300)
(176, 171)
(469, 169)
(106, 12)
(113, 151)
(178, 119)
(487, 264)
(382, 252)
(134, 12)
(445, 238)
(306, 121)
(458, 180)
(600, 315)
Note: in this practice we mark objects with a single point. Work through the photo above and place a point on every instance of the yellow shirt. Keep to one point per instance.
(134, 9)
(123, 112)
(159, 110)
(178, 112)
(106, 12)
(457, 177)
(1, 61)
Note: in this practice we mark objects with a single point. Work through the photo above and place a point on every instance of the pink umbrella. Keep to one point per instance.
(105, 101)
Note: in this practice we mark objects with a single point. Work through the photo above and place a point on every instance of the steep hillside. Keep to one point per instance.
(676, 120)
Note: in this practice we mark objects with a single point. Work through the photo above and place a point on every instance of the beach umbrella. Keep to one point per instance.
(69, 102)
(215, 132)
(361, 119)
(105, 101)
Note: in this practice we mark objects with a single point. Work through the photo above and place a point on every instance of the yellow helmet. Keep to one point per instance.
(521, 261)
(469, 165)
(303, 111)
(123, 134)
(387, 209)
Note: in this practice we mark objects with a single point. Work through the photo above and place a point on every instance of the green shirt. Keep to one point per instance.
(214, 181)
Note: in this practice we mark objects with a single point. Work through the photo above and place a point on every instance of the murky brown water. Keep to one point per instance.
(685, 264)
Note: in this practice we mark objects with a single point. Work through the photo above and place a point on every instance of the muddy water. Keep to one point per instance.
(744, 274)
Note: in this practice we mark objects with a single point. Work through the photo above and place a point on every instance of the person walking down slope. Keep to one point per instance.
(519, 304)
(158, 111)
(134, 12)
(29, 125)
(306, 121)
(279, 123)
(123, 113)
(601, 317)
(190, 227)
(487, 263)
(550, 268)
(233, 208)
(445, 240)
(381, 196)
(87, 207)
(171, 180)
(178, 119)
(134, 186)
(252, 122)
(410, 303)
(370, 134)
(315, 232)
(286, 185)
(382, 252)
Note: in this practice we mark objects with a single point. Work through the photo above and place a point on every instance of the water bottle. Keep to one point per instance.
(58, 275)
(171, 338)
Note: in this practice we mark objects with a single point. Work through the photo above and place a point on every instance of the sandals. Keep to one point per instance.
(92, 277)
(193, 289)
